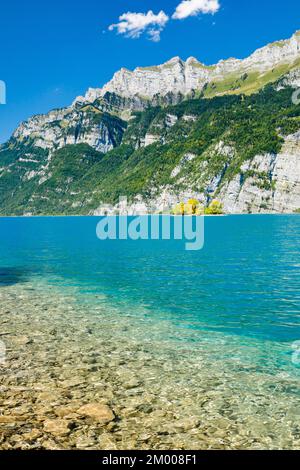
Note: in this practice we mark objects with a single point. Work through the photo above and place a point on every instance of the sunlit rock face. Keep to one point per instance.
(179, 77)
(281, 194)
(70, 126)
(128, 91)
(150, 123)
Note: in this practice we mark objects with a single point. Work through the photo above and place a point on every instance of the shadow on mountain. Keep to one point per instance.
(11, 276)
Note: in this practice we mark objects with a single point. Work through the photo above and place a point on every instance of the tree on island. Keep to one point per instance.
(214, 208)
(192, 207)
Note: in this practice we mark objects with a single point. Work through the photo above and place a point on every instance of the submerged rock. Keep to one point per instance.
(32, 435)
(57, 427)
(100, 413)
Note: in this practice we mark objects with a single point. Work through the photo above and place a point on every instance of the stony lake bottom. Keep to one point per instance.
(143, 345)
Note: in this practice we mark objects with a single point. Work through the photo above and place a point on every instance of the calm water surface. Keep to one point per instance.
(244, 282)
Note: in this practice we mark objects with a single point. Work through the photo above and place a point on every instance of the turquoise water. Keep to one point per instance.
(205, 336)
(244, 282)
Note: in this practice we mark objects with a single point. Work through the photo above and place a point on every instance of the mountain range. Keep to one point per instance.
(163, 134)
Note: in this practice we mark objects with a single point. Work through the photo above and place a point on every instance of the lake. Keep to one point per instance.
(190, 349)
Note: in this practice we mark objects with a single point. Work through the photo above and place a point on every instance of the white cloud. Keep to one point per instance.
(133, 25)
(193, 7)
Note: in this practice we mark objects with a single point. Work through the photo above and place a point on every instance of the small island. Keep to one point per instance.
(194, 207)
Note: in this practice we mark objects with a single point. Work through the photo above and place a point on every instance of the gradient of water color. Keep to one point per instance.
(231, 309)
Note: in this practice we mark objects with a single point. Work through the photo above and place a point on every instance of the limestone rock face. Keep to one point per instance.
(269, 183)
(129, 91)
(66, 127)
(179, 77)
(150, 139)
(291, 79)
(283, 192)
(137, 109)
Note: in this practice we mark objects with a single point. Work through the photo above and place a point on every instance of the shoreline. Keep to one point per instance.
(137, 215)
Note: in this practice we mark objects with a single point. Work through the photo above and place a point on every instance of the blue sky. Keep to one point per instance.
(53, 51)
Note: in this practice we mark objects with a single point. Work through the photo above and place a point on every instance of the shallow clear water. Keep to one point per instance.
(244, 282)
(227, 314)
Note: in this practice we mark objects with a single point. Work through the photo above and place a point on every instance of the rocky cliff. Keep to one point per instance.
(163, 134)
(281, 194)
(182, 78)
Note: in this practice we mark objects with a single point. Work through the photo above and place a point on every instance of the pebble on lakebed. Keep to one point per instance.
(57, 427)
(100, 413)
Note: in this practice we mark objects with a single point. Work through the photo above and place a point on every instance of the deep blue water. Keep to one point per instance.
(244, 282)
